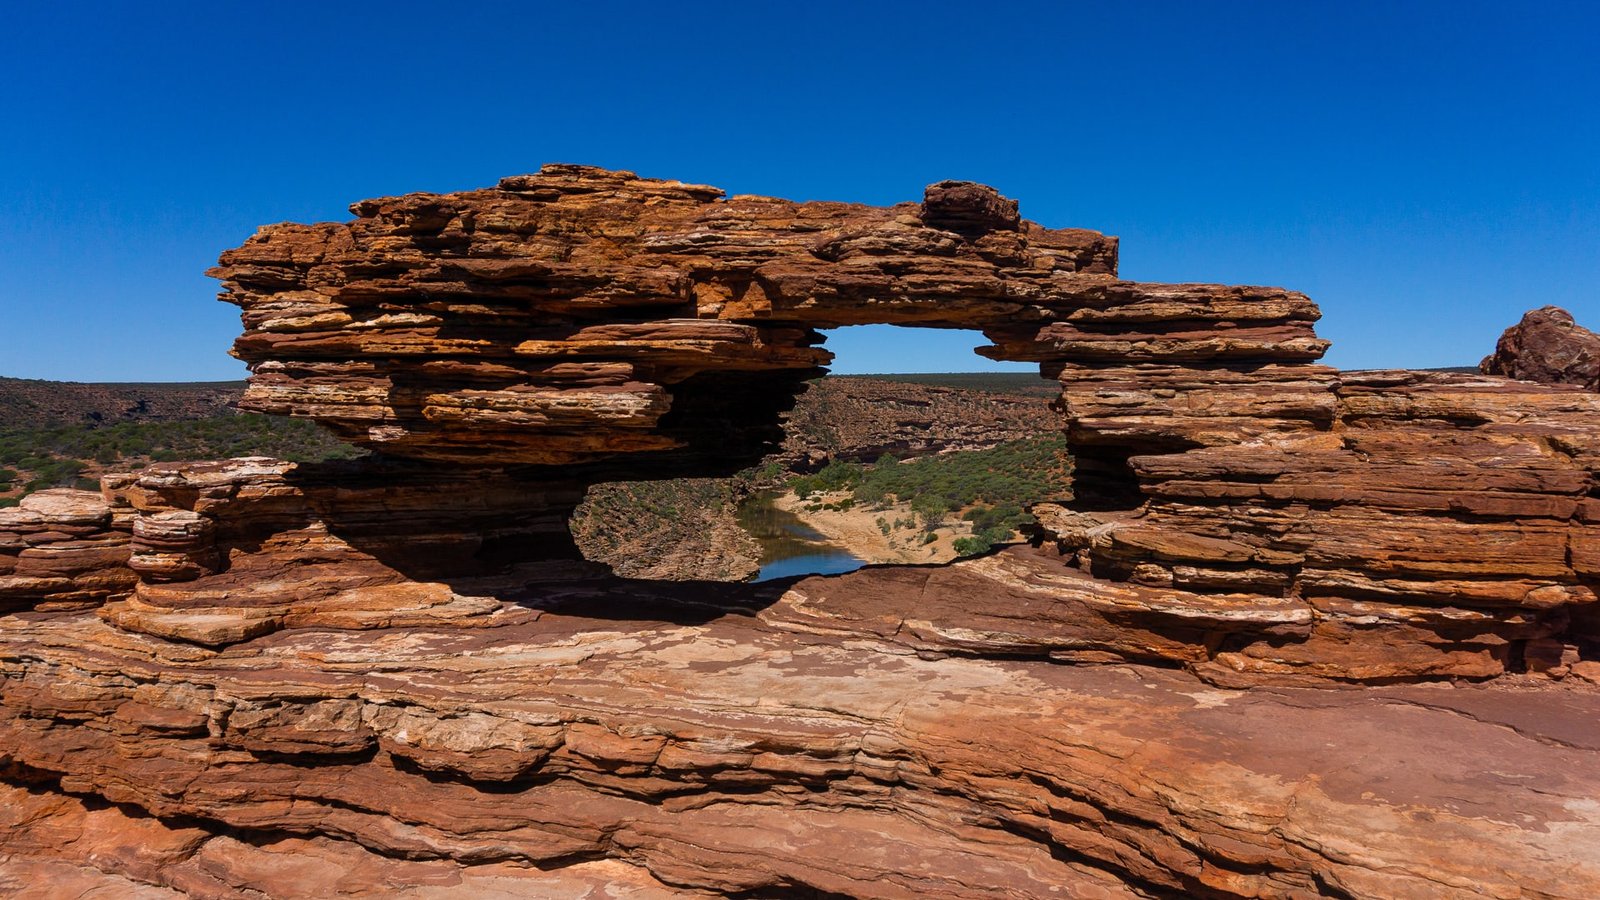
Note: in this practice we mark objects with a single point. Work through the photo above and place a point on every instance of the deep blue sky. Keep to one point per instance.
(1425, 171)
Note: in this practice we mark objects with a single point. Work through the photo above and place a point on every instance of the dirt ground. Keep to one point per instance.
(857, 530)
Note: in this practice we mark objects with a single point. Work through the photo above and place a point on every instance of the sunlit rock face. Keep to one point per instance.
(1426, 525)
(393, 674)
(581, 313)
(63, 549)
(1547, 346)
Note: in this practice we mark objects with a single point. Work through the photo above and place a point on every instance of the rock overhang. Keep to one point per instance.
(581, 312)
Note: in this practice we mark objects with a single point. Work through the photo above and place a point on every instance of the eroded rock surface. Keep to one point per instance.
(731, 756)
(1549, 347)
(1429, 524)
(1303, 632)
(64, 547)
(562, 316)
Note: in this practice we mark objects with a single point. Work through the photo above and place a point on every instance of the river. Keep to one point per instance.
(788, 546)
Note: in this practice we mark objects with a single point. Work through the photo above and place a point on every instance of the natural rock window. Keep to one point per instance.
(399, 665)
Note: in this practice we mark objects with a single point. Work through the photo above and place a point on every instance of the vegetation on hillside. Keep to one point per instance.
(61, 455)
(680, 528)
(988, 488)
(993, 382)
(58, 434)
(28, 403)
(858, 418)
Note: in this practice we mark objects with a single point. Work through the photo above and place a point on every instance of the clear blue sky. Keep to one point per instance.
(1425, 171)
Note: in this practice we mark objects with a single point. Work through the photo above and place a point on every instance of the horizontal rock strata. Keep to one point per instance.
(54, 845)
(1432, 524)
(1436, 526)
(733, 757)
(246, 678)
(64, 548)
(560, 316)
(230, 551)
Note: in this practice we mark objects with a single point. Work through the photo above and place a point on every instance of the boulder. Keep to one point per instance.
(1549, 347)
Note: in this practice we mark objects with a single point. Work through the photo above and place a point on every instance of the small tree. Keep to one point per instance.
(971, 546)
(931, 509)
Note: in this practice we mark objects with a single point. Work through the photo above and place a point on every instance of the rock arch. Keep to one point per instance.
(502, 349)
(365, 651)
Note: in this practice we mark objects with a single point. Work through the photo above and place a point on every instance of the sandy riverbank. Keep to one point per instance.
(858, 530)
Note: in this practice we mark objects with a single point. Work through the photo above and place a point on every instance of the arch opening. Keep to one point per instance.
(911, 448)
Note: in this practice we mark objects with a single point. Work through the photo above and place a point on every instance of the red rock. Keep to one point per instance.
(592, 302)
(63, 548)
(400, 664)
(1547, 346)
(730, 755)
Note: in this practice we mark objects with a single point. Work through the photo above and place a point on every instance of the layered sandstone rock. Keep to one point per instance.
(1433, 526)
(64, 548)
(399, 668)
(561, 316)
(1429, 524)
(54, 845)
(1549, 347)
(230, 551)
(724, 755)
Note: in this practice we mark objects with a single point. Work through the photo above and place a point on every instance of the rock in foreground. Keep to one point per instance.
(727, 752)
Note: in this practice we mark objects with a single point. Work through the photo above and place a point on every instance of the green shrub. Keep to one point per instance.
(931, 509)
(971, 546)
(993, 486)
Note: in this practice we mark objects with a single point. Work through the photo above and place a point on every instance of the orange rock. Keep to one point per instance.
(401, 662)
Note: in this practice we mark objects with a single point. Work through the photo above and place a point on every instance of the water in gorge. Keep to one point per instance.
(788, 546)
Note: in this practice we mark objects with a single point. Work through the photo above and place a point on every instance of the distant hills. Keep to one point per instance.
(68, 433)
(993, 382)
(29, 403)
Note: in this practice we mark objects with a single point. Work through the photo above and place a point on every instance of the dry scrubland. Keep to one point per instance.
(68, 435)
(978, 455)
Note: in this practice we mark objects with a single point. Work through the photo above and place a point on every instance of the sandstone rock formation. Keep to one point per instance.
(398, 668)
(1429, 525)
(732, 756)
(62, 549)
(1547, 346)
(579, 313)
(1426, 524)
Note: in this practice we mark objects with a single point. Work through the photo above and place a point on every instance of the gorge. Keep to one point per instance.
(1300, 632)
